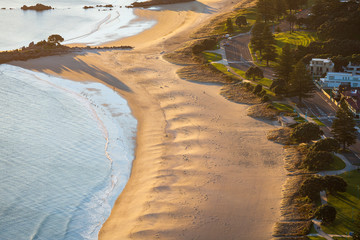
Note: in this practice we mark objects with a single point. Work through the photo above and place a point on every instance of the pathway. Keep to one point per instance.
(323, 197)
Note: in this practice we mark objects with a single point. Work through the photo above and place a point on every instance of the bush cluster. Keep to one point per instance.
(312, 186)
(317, 160)
(306, 132)
(326, 213)
(206, 44)
(326, 144)
(319, 155)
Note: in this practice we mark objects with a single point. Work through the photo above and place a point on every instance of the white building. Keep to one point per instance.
(334, 79)
(318, 67)
(352, 68)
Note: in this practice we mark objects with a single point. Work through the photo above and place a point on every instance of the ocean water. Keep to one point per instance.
(66, 151)
(76, 25)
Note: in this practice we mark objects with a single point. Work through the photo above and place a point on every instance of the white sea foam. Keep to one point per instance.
(116, 126)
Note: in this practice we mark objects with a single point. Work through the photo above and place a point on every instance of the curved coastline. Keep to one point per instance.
(199, 170)
(111, 118)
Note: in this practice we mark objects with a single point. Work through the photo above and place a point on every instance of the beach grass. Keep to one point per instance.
(296, 228)
(347, 205)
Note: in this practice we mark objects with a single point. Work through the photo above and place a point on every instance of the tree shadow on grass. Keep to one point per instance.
(346, 200)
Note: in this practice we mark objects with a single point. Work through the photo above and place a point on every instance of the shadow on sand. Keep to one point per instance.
(194, 6)
(70, 62)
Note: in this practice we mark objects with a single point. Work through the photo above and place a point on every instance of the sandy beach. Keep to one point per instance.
(203, 168)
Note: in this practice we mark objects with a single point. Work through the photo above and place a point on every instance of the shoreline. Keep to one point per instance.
(112, 122)
(198, 167)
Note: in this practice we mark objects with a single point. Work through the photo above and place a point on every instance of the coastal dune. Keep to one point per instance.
(203, 169)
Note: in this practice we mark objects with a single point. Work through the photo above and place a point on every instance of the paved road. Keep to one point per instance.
(239, 56)
(325, 110)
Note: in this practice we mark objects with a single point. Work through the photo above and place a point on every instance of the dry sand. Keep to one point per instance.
(203, 168)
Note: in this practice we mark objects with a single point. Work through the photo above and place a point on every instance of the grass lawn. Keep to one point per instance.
(266, 82)
(337, 164)
(299, 119)
(212, 57)
(298, 38)
(282, 107)
(318, 122)
(223, 68)
(312, 229)
(249, 13)
(315, 238)
(347, 205)
(238, 71)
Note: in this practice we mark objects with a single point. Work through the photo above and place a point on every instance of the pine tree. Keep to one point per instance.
(269, 54)
(257, 40)
(280, 8)
(301, 84)
(241, 21)
(267, 35)
(343, 126)
(291, 18)
(285, 65)
(254, 72)
(229, 26)
(269, 49)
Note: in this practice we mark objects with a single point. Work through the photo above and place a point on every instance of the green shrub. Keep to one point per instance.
(257, 89)
(262, 93)
(317, 160)
(209, 43)
(326, 144)
(312, 186)
(248, 86)
(305, 132)
(326, 213)
(335, 184)
(197, 49)
(265, 99)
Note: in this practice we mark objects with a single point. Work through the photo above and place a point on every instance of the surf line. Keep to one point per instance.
(86, 101)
